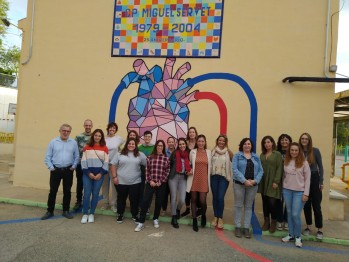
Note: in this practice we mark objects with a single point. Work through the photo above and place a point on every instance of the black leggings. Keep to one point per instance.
(195, 198)
(270, 206)
(314, 201)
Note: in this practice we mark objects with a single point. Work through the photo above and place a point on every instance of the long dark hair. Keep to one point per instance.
(264, 151)
(309, 149)
(196, 133)
(155, 152)
(185, 141)
(137, 136)
(125, 151)
(92, 142)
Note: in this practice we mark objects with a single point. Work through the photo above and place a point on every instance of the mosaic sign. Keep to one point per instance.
(167, 28)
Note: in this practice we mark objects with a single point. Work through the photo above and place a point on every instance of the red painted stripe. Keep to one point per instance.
(246, 252)
(223, 112)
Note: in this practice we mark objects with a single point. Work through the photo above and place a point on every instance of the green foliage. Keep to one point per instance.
(343, 133)
(4, 7)
(9, 60)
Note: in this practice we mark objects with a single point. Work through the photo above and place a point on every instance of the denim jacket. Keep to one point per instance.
(239, 167)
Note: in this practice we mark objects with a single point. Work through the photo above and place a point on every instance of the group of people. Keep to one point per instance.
(288, 175)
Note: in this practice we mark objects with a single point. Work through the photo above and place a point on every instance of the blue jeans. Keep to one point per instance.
(294, 205)
(219, 186)
(91, 187)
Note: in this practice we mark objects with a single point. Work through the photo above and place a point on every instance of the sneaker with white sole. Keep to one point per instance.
(298, 242)
(139, 227)
(114, 209)
(287, 238)
(136, 220)
(91, 218)
(156, 223)
(306, 232)
(84, 219)
(120, 219)
(319, 235)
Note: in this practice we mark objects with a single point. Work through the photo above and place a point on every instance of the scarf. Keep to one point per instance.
(228, 163)
(185, 155)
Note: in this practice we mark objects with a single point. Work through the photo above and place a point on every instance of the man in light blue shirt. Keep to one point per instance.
(61, 159)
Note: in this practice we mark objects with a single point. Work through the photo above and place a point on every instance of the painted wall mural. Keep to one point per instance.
(161, 103)
(159, 28)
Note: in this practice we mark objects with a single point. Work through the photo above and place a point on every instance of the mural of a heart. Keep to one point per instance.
(161, 105)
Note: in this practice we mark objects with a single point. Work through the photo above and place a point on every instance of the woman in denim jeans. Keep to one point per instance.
(247, 172)
(221, 173)
(94, 164)
(296, 185)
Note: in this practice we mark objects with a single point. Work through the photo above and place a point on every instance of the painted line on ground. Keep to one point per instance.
(221, 236)
(258, 234)
(25, 220)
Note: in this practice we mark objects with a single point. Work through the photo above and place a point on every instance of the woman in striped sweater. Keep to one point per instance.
(94, 163)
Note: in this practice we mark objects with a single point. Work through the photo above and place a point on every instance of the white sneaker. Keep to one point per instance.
(114, 209)
(298, 242)
(287, 238)
(84, 219)
(156, 223)
(91, 218)
(139, 227)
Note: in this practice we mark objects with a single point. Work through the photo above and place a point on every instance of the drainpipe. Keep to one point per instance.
(327, 28)
(31, 35)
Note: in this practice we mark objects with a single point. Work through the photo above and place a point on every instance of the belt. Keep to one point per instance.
(315, 172)
(238, 182)
(62, 168)
(182, 174)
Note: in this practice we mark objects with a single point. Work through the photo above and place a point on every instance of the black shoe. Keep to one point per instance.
(178, 213)
(195, 225)
(247, 233)
(238, 232)
(186, 212)
(136, 220)
(198, 212)
(203, 220)
(174, 222)
(120, 219)
(47, 215)
(66, 214)
(77, 206)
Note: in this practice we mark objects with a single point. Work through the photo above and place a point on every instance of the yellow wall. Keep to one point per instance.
(71, 76)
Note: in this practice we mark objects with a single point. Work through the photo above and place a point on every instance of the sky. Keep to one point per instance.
(18, 10)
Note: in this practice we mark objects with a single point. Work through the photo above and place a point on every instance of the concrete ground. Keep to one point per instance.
(24, 237)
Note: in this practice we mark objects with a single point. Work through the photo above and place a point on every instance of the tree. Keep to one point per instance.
(4, 7)
(9, 60)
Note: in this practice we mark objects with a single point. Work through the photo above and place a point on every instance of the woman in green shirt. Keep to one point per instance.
(270, 186)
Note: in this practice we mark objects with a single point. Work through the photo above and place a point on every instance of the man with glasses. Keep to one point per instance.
(61, 159)
(82, 139)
